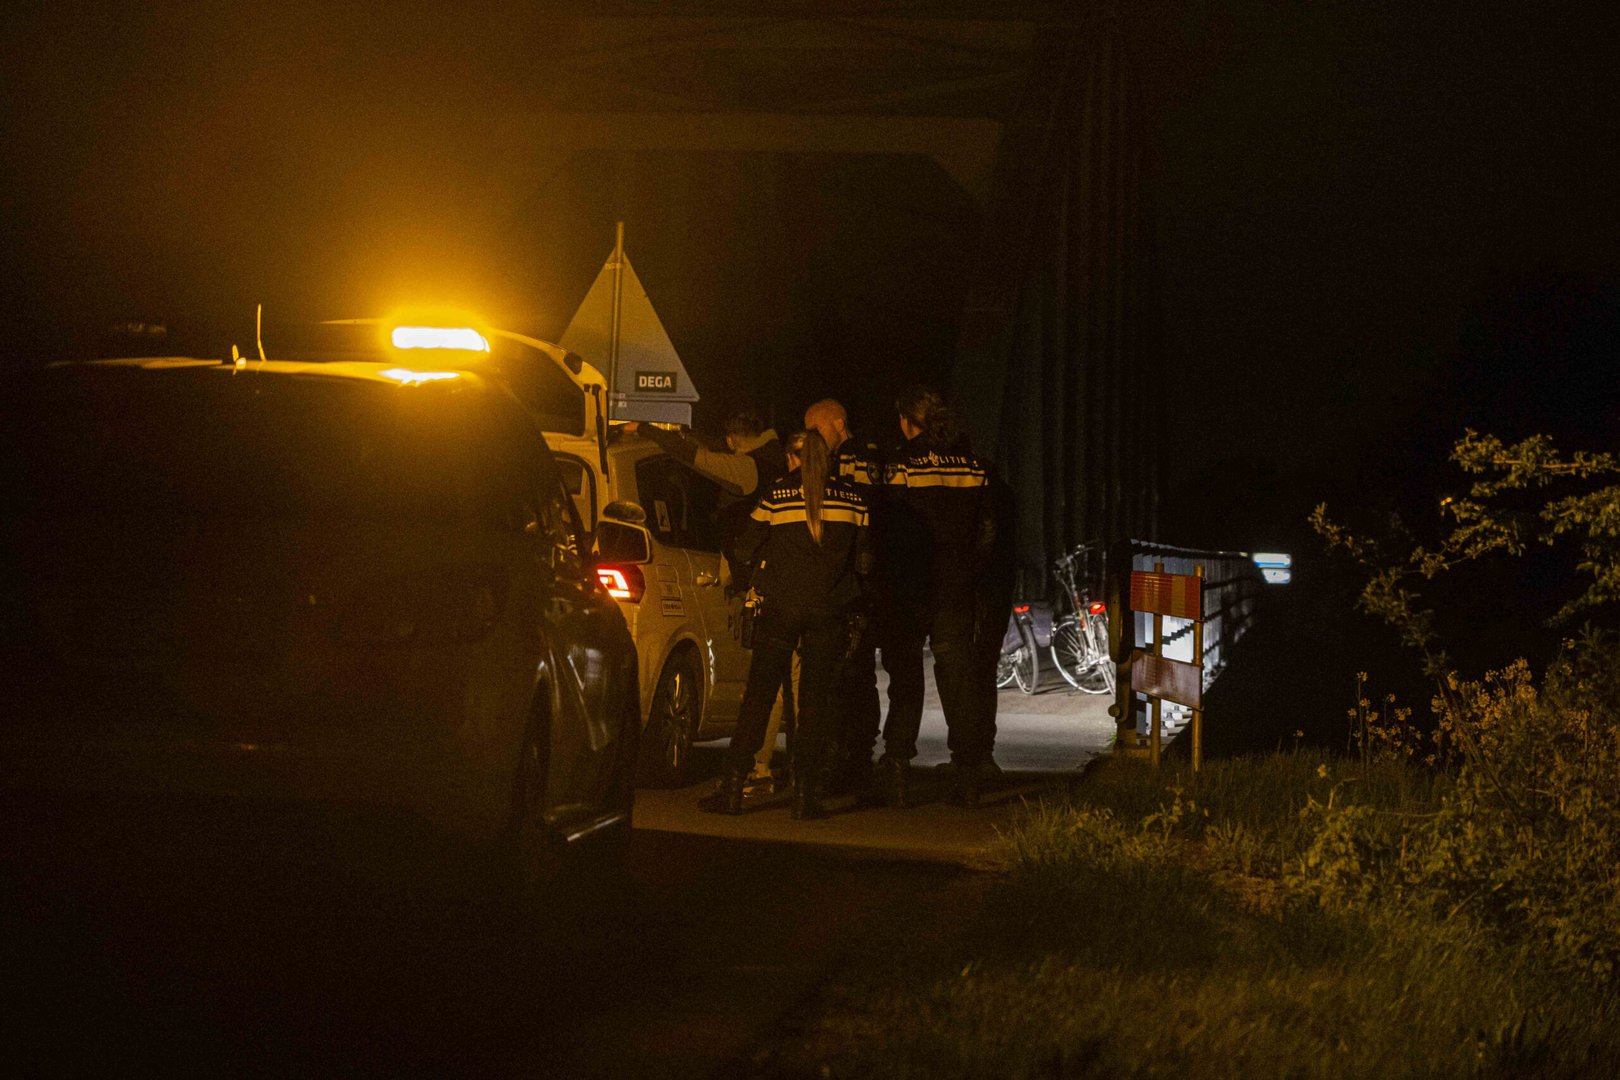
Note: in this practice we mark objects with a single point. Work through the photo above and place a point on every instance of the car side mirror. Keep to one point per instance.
(622, 541)
(623, 510)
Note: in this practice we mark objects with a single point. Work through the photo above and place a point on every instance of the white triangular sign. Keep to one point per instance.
(650, 382)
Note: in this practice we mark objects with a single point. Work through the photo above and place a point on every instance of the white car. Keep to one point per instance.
(669, 587)
(667, 572)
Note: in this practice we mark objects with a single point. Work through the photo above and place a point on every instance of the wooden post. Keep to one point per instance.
(1198, 658)
(1154, 704)
(1122, 646)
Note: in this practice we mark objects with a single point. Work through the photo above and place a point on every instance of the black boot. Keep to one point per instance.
(966, 785)
(853, 776)
(894, 782)
(727, 796)
(806, 805)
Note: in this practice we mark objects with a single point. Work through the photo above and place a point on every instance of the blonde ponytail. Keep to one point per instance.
(815, 460)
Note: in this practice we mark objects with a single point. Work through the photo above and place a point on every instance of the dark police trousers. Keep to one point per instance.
(948, 627)
(989, 631)
(855, 706)
(818, 634)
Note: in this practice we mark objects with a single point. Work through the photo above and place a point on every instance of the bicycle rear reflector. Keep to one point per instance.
(1099, 608)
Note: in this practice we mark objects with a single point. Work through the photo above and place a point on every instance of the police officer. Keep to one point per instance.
(856, 697)
(807, 543)
(998, 581)
(940, 529)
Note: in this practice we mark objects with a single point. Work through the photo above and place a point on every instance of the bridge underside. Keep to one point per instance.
(834, 197)
(1036, 255)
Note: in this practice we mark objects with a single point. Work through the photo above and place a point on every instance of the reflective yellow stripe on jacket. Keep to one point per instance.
(772, 511)
(938, 470)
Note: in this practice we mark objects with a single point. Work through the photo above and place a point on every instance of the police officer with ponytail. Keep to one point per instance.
(807, 543)
(940, 528)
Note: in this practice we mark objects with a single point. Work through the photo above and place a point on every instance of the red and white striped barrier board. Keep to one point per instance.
(1172, 680)
(1180, 596)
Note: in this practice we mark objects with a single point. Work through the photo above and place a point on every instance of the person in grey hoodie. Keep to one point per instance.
(755, 459)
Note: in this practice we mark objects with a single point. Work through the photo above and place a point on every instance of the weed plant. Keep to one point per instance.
(1162, 924)
(1527, 839)
(1442, 902)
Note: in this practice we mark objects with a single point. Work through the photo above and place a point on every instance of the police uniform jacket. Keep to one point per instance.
(860, 464)
(940, 523)
(791, 569)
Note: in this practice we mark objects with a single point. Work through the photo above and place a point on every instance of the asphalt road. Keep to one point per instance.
(134, 942)
(163, 938)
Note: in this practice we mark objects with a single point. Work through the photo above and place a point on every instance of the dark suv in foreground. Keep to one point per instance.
(342, 584)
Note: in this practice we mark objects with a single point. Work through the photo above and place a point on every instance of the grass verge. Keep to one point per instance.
(1148, 927)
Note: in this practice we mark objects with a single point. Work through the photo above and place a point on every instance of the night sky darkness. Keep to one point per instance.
(1377, 221)
(1387, 206)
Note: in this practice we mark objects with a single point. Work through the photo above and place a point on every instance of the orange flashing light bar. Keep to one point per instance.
(460, 338)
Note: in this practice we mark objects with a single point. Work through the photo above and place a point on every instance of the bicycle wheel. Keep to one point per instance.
(1101, 677)
(1006, 667)
(1071, 650)
(1080, 651)
(1027, 660)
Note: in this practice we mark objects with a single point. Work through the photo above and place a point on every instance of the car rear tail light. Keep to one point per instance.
(623, 581)
(442, 605)
(1099, 608)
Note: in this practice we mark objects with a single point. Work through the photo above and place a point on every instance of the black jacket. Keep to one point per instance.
(939, 524)
(861, 464)
(791, 569)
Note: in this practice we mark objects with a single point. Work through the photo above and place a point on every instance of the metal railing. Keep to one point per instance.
(1232, 584)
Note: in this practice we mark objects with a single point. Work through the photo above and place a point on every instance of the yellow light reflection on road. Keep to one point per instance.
(462, 338)
(407, 377)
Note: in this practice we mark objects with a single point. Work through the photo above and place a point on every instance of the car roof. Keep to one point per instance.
(585, 375)
(351, 370)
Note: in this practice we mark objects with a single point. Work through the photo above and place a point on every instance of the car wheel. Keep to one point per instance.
(672, 720)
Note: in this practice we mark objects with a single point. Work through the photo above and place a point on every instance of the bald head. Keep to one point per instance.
(829, 419)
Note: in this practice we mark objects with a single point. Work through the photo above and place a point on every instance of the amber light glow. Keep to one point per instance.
(462, 338)
(407, 377)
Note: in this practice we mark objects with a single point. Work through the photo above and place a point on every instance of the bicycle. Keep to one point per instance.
(1080, 635)
(1020, 653)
